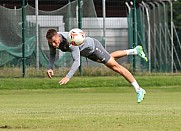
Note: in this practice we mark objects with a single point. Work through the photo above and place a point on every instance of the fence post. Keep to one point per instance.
(134, 33)
(23, 38)
(80, 4)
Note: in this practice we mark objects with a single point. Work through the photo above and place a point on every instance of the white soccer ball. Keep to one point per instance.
(76, 37)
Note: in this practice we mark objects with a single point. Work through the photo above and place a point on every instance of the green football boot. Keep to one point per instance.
(141, 53)
(140, 95)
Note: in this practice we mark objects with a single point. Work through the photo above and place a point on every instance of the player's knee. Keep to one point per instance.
(116, 68)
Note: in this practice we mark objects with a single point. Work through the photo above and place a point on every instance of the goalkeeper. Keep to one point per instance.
(93, 50)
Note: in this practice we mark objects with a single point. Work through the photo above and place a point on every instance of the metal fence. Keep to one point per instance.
(154, 32)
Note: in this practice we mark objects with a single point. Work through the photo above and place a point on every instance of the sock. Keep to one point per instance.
(131, 52)
(135, 85)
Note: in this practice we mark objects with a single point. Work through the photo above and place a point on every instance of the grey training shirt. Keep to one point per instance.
(86, 49)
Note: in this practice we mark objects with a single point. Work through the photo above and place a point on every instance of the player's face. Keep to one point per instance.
(55, 41)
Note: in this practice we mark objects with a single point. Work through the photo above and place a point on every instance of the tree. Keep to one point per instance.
(177, 15)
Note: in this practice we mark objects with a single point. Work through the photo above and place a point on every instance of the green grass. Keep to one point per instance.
(90, 104)
(84, 82)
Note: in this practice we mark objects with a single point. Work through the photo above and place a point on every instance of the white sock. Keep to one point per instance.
(135, 85)
(131, 52)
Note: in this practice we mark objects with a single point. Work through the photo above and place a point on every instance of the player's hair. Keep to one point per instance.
(51, 33)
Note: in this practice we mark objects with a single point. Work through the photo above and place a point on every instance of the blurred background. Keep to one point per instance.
(118, 25)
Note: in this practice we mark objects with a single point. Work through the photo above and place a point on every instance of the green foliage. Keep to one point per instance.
(177, 14)
(177, 17)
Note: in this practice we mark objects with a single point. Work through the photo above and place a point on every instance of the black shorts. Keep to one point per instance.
(100, 54)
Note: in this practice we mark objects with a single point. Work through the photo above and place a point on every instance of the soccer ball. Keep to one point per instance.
(76, 37)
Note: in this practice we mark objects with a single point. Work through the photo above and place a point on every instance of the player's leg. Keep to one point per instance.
(112, 64)
(101, 55)
(118, 54)
(138, 50)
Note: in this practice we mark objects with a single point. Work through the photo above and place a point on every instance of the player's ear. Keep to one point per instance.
(49, 42)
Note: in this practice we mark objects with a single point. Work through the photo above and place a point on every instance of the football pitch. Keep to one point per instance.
(90, 104)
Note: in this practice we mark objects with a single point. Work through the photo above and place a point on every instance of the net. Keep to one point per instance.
(153, 33)
(62, 19)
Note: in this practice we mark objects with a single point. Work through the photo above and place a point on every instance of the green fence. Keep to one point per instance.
(154, 33)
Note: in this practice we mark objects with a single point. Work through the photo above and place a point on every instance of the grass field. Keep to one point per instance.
(90, 104)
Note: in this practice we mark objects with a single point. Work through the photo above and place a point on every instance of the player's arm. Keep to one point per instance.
(76, 63)
(50, 72)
